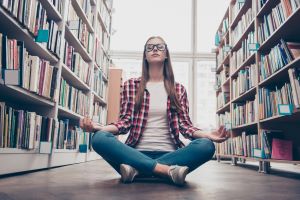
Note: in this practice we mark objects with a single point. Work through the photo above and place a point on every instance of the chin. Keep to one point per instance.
(155, 61)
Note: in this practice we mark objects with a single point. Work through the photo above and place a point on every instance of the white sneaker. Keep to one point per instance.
(178, 173)
(127, 173)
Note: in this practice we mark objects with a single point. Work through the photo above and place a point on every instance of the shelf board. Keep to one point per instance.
(280, 74)
(226, 107)
(18, 94)
(283, 161)
(52, 12)
(73, 41)
(238, 44)
(226, 82)
(102, 23)
(246, 126)
(65, 151)
(248, 158)
(245, 96)
(241, 12)
(18, 151)
(223, 39)
(98, 98)
(93, 2)
(82, 15)
(224, 155)
(105, 79)
(268, 160)
(224, 62)
(295, 117)
(267, 7)
(72, 79)
(14, 29)
(285, 30)
(25, 162)
(247, 62)
(65, 112)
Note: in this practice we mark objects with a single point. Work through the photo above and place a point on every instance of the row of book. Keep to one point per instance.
(271, 99)
(99, 84)
(105, 14)
(86, 6)
(223, 76)
(279, 56)
(224, 148)
(23, 129)
(223, 52)
(241, 55)
(223, 119)
(73, 99)
(270, 23)
(54, 40)
(222, 31)
(223, 98)
(99, 113)
(236, 7)
(77, 64)
(294, 75)
(24, 70)
(59, 5)
(242, 25)
(244, 145)
(33, 16)
(79, 29)
(69, 136)
(246, 79)
(30, 14)
(244, 113)
(269, 144)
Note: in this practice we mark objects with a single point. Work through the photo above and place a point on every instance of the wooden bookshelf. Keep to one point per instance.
(18, 160)
(287, 31)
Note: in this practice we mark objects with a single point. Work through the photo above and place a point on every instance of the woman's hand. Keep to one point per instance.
(87, 124)
(219, 135)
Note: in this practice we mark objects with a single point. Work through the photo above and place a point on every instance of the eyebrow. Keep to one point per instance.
(156, 43)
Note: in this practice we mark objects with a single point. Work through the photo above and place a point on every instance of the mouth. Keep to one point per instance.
(155, 55)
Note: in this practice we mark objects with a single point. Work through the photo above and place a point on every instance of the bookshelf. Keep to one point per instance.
(68, 53)
(263, 78)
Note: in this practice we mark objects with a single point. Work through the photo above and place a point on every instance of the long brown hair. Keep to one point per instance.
(169, 81)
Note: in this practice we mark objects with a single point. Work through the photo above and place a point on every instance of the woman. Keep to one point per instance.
(155, 110)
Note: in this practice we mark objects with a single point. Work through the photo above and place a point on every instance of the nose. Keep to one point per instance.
(155, 48)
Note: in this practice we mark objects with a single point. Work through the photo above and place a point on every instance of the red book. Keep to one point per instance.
(282, 149)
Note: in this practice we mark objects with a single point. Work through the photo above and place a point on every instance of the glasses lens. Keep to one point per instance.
(149, 47)
(161, 47)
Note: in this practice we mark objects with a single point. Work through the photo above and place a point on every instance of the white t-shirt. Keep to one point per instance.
(156, 136)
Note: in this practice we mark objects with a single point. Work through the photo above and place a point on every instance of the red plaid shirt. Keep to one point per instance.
(135, 121)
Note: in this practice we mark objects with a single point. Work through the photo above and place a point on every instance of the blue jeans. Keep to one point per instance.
(115, 153)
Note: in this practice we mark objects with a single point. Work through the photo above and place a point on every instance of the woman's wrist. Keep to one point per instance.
(200, 134)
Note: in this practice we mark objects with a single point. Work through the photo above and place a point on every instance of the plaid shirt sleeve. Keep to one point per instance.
(126, 108)
(185, 125)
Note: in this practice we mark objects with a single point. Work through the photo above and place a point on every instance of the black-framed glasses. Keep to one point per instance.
(160, 47)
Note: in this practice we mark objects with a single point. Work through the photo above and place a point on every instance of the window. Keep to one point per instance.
(206, 98)
(209, 17)
(135, 21)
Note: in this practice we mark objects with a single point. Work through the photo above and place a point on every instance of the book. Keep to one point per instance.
(282, 149)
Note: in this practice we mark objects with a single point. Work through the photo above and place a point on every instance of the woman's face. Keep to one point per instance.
(155, 51)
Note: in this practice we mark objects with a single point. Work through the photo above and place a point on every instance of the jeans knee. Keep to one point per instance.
(99, 138)
(206, 146)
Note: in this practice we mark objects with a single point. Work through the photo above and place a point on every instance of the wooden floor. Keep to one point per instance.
(96, 180)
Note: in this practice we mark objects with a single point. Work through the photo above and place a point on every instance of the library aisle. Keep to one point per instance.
(97, 180)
